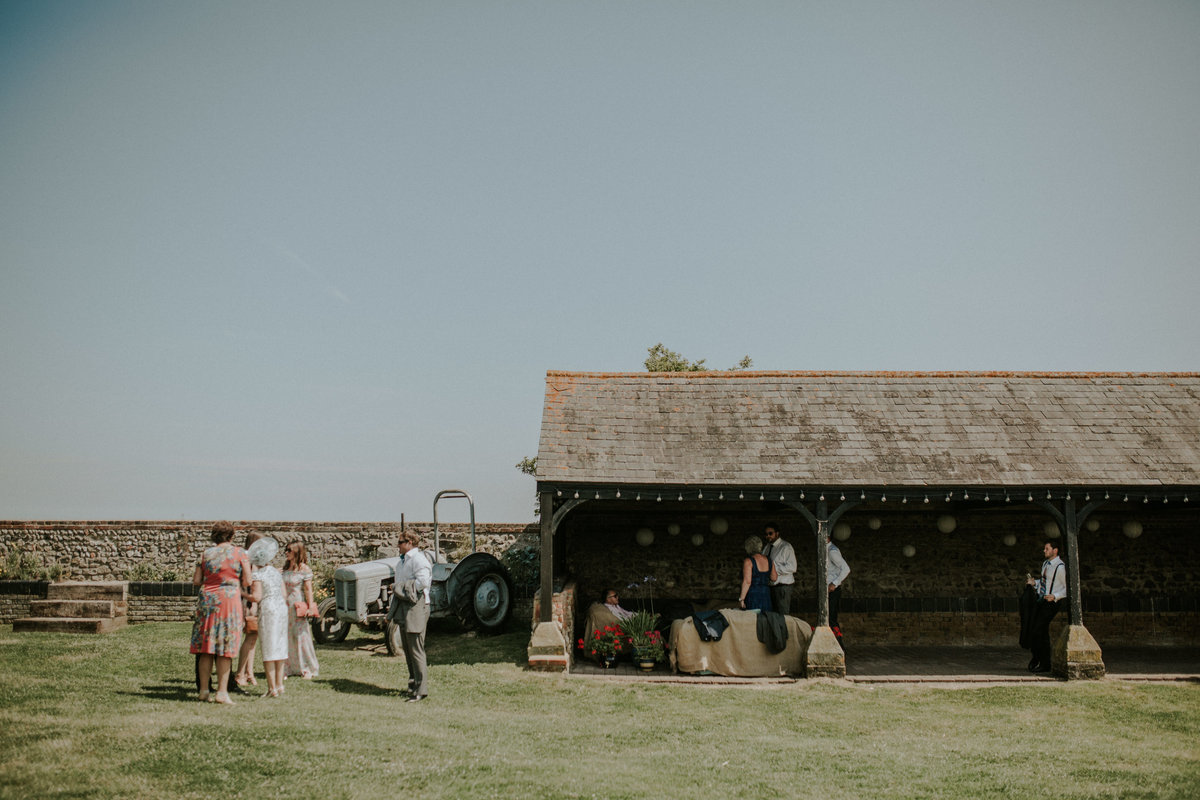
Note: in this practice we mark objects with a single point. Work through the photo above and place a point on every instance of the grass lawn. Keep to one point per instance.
(114, 716)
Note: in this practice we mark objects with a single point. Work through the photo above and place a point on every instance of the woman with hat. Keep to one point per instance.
(272, 613)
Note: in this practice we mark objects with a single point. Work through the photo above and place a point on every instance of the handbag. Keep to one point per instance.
(312, 610)
(301, 608)
(251, 624)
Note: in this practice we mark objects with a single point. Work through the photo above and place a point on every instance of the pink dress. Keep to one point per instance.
(302, 654)
(218, 626)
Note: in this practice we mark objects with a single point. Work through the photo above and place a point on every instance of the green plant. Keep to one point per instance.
(643, 638)
(149, 571)
(524, 565)
(21, 565)
(322, 578)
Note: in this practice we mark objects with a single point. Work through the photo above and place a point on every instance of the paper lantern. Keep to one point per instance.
(946, 523)
(909, 551)
(841, 531)
(673, 528)
(645, 537)
(1132, 529)
(1050, 529)
(697, 539)
(1009, 540)
(719, 525)
(874, 523)
(1093, 525)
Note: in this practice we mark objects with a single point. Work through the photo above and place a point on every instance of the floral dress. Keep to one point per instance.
(218, 626)
(272, 615)
(302, 654)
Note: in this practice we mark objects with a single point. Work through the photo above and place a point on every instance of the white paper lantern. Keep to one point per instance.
(874, 523)
(1132, 529)
(719, 525)
(697, 539)
(946, 523)
(673, 528)
(1050, 529)
(841, 531)
(1093, 525)
(909, 551)
(1009, 540)
(645, 537)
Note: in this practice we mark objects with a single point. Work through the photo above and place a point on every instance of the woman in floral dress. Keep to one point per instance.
(222, 574)
(298, 579)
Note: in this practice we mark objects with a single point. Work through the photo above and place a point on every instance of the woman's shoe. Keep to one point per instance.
(223, 698)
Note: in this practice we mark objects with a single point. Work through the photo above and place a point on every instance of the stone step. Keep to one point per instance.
(76, 608)
(67, 625)
(116, 591)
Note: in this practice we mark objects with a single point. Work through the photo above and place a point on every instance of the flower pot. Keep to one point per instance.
(608, 661)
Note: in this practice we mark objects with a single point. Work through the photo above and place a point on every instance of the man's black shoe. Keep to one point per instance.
(1041, 669)
(416, 698)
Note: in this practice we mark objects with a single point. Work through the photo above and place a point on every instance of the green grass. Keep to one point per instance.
(113, 716)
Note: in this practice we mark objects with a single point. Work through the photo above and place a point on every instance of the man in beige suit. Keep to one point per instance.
(410, 610)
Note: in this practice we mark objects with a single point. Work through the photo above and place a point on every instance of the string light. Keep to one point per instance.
(700, 495)
(843, 495)
(560, 492)
(618, 494)
(1106, 495)
(986, 497)
(681, 497)
(741, 495)
(966, 496)
(576, 495)
(762, 496)
(926, 498)
(1047, 494)
(883, 498)
(1145, 499)
(862, 496)
(1068, 497)
(1007, 499)
(597, 497)
(1126, 500)
(948, 496)
(781, 497)
(905, 500)
(822, 497)
(801, 494)
(721, 496)
(1031, 497)
(639, 496)
(1185, 498)
(660, 498)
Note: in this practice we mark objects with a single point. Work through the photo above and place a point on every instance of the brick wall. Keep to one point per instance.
(97, 551)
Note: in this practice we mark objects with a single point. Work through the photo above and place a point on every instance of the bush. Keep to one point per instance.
(20, 565)
(322, 578)
(149, 571)
(524, 565)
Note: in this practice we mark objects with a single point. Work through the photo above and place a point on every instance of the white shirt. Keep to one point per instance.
(414, 566)
(836, 568)
(1053, 581)
(783, 555)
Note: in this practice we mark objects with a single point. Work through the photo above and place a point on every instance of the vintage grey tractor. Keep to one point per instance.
(477, 590)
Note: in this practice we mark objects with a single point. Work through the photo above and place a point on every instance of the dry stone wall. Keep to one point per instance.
(97, 551)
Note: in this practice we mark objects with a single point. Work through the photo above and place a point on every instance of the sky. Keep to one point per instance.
(312, 260)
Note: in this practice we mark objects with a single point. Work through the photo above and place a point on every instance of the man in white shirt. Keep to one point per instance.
(783, 556)
(836, 570)
(1051, 588)
(411, 589)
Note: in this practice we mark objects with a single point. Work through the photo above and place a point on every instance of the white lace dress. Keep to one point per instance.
(302, 653)
(272, 615)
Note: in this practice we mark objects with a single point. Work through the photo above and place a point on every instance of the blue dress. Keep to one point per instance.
(759, 594)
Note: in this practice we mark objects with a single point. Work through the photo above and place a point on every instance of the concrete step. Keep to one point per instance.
(116, 591)
(67, 625)
(76, 608)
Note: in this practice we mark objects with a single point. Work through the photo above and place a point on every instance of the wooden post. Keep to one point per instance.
(822, 530)
(1071, 534)
(547, 565)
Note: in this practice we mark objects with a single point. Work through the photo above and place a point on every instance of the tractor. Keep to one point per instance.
(477, 590)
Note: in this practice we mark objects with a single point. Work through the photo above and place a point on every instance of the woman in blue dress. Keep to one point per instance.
(757, 572)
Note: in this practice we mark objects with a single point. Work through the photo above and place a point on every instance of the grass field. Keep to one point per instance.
(114, 716)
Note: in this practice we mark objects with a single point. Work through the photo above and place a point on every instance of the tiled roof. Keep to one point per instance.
(871, 429)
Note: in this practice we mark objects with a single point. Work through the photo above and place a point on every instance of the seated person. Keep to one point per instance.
(612, 602)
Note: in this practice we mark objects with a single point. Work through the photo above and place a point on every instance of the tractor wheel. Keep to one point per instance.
(326, 627)
(482, 593)
(393, 637)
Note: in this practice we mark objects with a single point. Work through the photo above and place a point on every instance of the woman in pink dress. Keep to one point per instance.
(223, 573)
(298, 582)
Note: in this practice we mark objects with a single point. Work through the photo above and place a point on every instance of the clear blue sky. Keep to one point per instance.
(311, 260)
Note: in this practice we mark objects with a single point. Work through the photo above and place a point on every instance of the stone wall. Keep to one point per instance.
(96, 551)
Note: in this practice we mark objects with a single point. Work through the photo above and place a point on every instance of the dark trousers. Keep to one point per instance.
(835, 601)
(1039, 632)
(781, 598)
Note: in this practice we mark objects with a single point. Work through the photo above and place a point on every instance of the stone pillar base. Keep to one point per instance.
(548, 649)
(1076, 655)
(825, 657)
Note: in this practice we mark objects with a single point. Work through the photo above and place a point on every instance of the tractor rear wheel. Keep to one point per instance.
(482, 593)
(326, 627)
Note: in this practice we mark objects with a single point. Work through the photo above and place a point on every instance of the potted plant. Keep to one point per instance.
(645, 642)
(606, 644)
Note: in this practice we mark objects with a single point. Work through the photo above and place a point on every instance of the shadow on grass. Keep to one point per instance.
(347, 686)
(175, 689)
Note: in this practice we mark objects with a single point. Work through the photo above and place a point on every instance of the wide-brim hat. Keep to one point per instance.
(262, 551)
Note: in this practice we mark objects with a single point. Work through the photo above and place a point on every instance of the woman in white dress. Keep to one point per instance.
(272, 613)
(298, 579)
